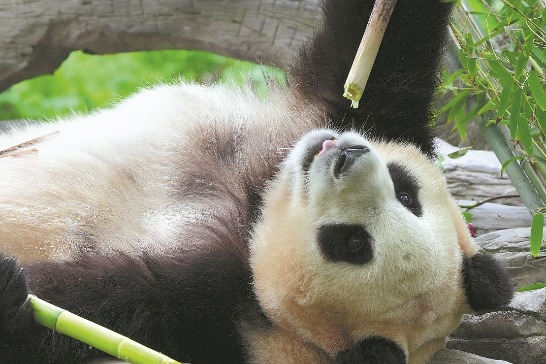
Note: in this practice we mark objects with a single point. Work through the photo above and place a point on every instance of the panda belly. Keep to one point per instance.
(121, 179)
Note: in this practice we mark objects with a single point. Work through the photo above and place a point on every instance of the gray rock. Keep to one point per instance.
(451, 356)
(491, 217)
(512, 248)
(518, 333)
(476, 175)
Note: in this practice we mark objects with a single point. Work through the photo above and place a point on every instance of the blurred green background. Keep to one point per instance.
(85, 82)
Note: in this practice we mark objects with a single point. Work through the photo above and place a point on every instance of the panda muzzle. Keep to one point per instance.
(348, 157)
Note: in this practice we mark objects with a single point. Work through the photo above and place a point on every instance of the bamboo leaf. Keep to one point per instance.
(541, 118)
(504, 98)
(507, 163)
(524, 133)
(520, 64)
(537, 89)
(472, 67)
(490, 105)
(515, 114)
(459, 153)
(448, 78)
(463, 58)
(500, 71)
(532, 287)
(537, 234)
(460, 97)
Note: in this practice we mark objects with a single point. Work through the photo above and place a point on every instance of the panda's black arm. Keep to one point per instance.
(187, 310)
(397, 99)
(487, 285)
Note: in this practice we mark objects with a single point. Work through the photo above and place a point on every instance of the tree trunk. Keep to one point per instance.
(37, 35)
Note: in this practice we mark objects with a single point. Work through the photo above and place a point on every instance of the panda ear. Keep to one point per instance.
(486, 283)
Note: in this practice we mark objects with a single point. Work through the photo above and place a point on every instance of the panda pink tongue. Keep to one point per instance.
(326, 146)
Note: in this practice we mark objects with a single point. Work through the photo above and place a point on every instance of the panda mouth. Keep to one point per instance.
(316, 150)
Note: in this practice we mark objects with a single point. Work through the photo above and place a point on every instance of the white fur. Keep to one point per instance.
(112, 174)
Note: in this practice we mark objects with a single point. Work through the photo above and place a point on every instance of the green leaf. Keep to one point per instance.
(468, 216)
(524, 134)
(507, 163)
(541, 118)
(449, 78)
(536, 234)
(504, 98)
(500, 71)
(532, 287)
(537, 89)
(515, 114)
(463, 58)
(460, 97)
(490, 105)
(459, 153)
(472, 67)
(521, 63)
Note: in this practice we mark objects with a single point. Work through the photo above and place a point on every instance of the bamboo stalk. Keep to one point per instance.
(496, 140)
(367, 50)
(108, 341)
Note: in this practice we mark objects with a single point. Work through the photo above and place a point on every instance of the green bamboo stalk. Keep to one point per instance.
(108, 341)
(367, 50)
(496, 140)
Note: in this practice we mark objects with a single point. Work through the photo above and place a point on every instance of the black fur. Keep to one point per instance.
(189, 309)
(486, 283)
(374, 350)
(345, 243)
(396, 102)
(406, 188)
(17, 327)
(189, 303)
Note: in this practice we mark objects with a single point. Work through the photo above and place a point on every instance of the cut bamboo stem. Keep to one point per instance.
(367, 51)
(108, 341)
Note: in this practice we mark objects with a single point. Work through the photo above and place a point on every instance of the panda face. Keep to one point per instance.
(357, 237)
(365, 203)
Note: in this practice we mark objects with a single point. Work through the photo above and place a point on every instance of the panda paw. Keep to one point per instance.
(16, 317)
(373, 350)
(486, 282)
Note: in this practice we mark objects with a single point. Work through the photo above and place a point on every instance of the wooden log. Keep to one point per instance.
(38, 35)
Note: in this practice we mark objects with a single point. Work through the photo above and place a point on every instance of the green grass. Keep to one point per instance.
(85, 82)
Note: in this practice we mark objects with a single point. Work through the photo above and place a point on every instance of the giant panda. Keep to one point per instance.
(216, 226)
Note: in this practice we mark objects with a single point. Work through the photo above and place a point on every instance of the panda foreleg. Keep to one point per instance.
(183, 305)
(486, 283)
(399, 92)
(373, 350)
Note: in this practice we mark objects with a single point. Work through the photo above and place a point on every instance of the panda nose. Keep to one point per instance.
(347, 158)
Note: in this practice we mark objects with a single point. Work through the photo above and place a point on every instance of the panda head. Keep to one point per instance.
(357, 239)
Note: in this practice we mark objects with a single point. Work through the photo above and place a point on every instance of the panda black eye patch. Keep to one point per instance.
(406, 188)
(345, 243)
